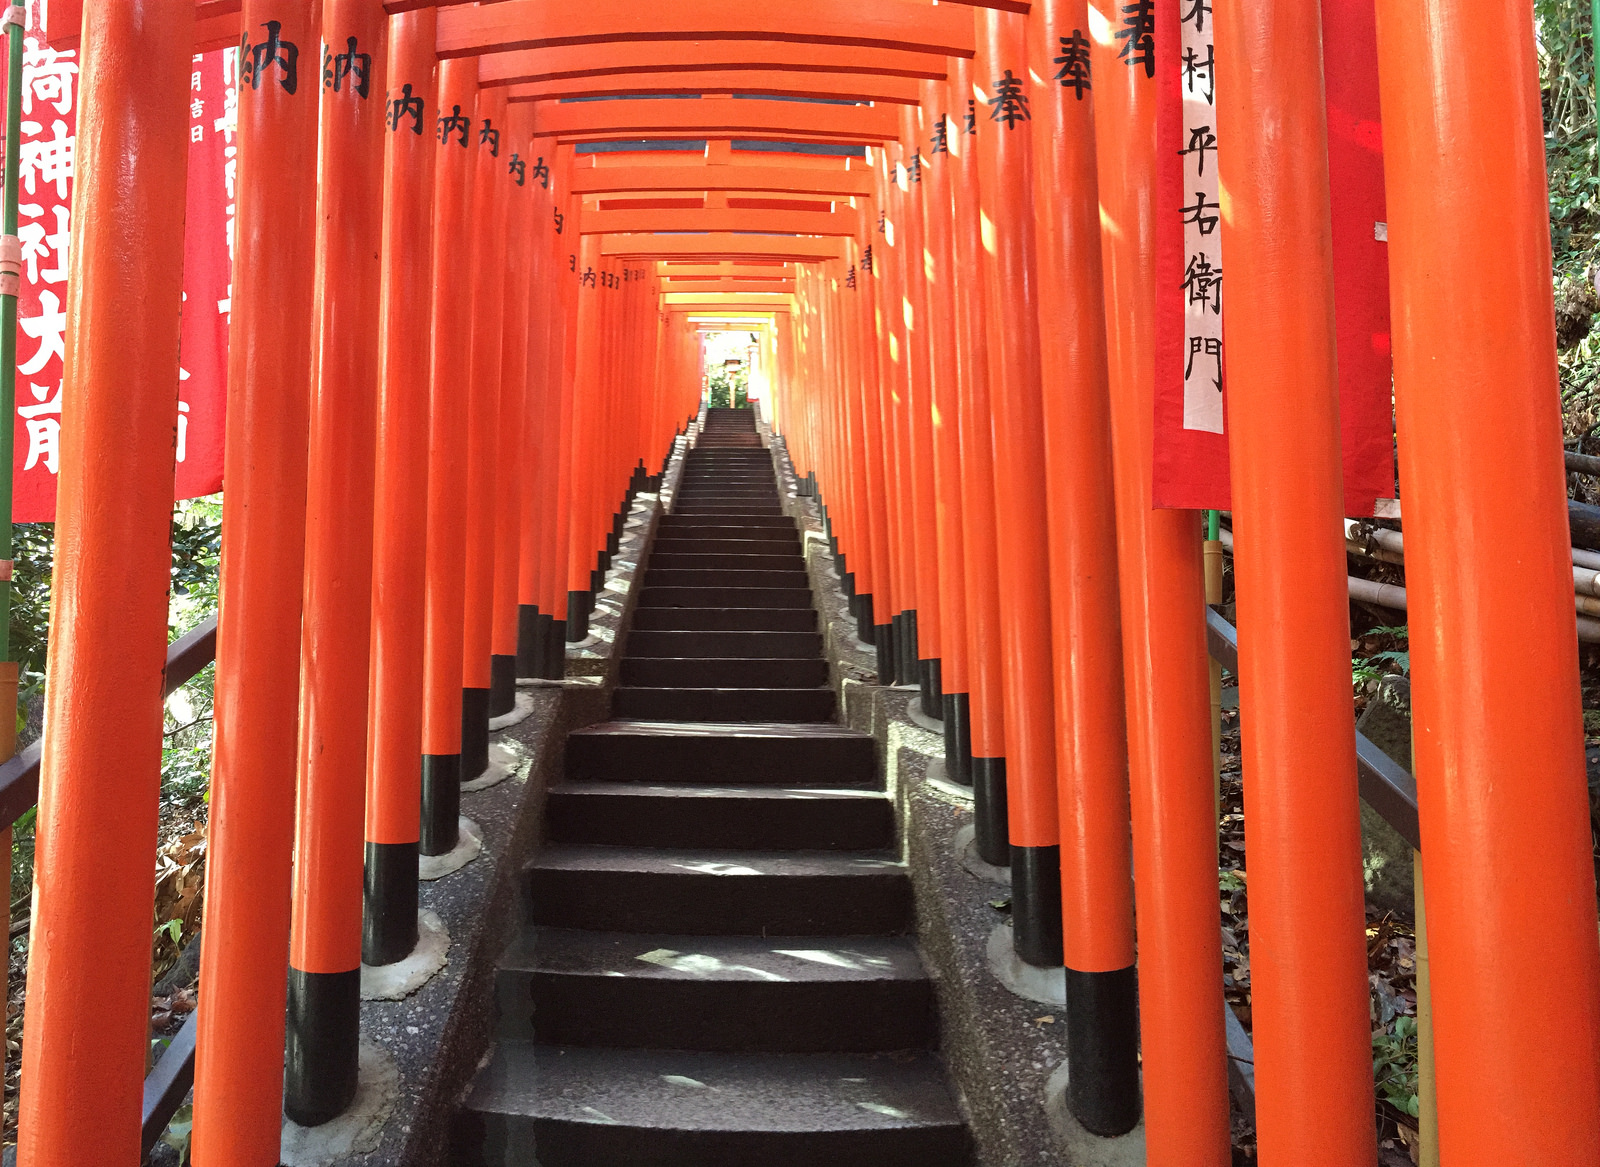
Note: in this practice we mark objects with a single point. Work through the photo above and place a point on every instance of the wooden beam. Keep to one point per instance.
(725, 300)
(790, 248)
(631, 222)
(779, 287)
(722, 270)
(910, 25)
(753, 179)
(624, 58)
(829, 86)
(723, 117)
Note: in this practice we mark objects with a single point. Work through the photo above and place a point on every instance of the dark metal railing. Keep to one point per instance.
(1385, 785)
(168, 1084)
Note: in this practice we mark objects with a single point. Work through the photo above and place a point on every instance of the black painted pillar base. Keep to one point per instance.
(1103, 1050)
(555, 647)
(883, 641)
(991, 822)
(908, 670)
(530, 646)
(324, 1039)
(597, 577)
(389, 915)
(865, 630)
(958, 738)
(929, 674)
(1036, 904)
(441, 803)
(577, 617)
(502, 685)
(474, 733)
(847, 580)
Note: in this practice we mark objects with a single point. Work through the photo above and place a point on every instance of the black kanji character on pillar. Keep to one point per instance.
(454, 123)
(1210, 346)
(866, 259)
(255, 60)
(883, 222)
(491, 137)
(1203, 282)
(972, 116)
(1009, 103)
(572, 261)
(1201, 139)
(850, 277)
(941, 135)
(1197, 213)
(1138, 36)
(356, 66)
(1196, 69)
(561, 221)
(406, 106)
(587, 279)
(541, 172)
(519, 169)
(1074, 62)
(1198, 11)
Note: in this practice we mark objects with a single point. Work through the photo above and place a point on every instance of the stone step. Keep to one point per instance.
(708, 752)
(659, 596)
(718, 893)
(724, 620)
(716, 672)
(671, 578)
(676, 561)
(638, 814)
(579, 1107)
(725, 704)
(723, 644)
(690, 526)
(727, 541)
(796, 994)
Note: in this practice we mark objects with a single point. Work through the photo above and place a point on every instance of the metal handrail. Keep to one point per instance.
(168, 1084)
(1386, 786)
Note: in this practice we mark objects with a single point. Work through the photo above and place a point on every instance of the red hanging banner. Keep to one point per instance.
(1190, 433)
(48, 148)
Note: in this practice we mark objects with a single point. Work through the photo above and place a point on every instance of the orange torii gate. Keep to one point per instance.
(963, 323)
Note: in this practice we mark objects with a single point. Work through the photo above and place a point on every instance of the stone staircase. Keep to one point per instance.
(717, 967)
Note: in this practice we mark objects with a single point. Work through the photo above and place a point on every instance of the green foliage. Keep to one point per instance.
(1381, 651)
(1394, 1062)
(1566, 74)
(724, 388)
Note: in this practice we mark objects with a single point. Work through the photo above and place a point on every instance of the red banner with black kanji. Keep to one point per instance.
(1190, 455)
(46, 173)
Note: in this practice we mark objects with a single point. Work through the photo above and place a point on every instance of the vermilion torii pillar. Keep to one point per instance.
(991, 819)
(451, 312)
(1308, 956)
(1004, 141)
(513, 458)
(938, 216)
(1164, 654)
(919, 413)
(400, 519)
(238, 1108)
(1506, 844)
(1091, 732)
(325, 948)
(94, 870)
(490, 192)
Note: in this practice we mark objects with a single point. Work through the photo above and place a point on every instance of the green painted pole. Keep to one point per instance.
(10, 287)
